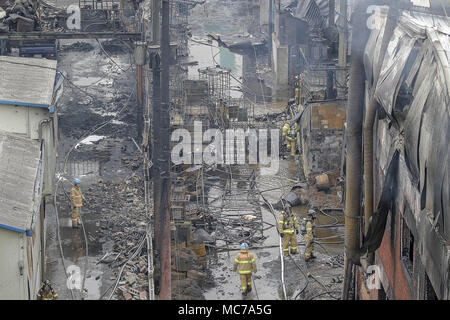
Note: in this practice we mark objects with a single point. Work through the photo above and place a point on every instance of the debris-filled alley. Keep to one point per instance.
(224, 150)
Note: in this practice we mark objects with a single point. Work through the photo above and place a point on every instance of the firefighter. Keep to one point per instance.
(292, 138)
(47, 292)
(297, 90)
(285, 132)
(288, 228)
(296, 128)
(309, 237)
(247, 265)
(76, 202)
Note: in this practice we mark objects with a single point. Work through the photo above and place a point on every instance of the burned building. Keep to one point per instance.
(301, 32)
(406, 159)
(322, 136)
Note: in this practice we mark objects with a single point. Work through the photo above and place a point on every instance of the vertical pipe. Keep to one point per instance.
(139, 83)
(343, 33)
(343, 41)
(331, 12)
(156, 103)
(354, 143)
(164, 157)
(155, 150)
(369, 123)
(270, 31)
(139, 107)
(156, 32)
(353, 134)
(354, 131)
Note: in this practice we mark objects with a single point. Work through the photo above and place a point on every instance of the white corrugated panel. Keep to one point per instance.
(27, 80)
(19, 163)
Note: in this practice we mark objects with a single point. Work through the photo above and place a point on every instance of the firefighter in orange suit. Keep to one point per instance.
(288, 228)
(76, 202)
(247, 266)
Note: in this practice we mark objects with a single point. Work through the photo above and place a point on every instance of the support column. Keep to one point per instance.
(341, 75)
(164, 156)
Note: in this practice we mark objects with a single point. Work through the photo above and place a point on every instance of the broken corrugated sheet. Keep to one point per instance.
(19, 163)
(414, 91)
(27, 81)
(395, 58)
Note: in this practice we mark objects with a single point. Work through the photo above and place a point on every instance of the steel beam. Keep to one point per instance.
(69, 35)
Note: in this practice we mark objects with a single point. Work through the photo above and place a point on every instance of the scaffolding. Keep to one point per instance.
(179, 13)
(218, 80)
(321, 82)
(106, 15)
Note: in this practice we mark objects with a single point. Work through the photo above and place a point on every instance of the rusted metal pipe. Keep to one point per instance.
(331, 12)
(139, 83)
(164, 156)
(354, 143)
(354, 133)
(369, 123)
(156, 104)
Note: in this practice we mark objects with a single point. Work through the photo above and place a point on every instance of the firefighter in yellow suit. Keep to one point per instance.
(288, 228)
(309, 236)
(285, 132)
(292, 139)
(76, 202)
(47, 292)
(247, 265)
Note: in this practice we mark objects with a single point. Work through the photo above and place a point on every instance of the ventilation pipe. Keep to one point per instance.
(354, 142)
(354, 133)
(369, 123)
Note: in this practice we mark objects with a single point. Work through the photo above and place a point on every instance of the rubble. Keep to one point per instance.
(114, 46)
(200, 235)
(78, 46)
(19, 16)
(190, 276)
(322, 182)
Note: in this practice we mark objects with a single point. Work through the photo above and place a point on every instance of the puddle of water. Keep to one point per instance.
(91, 139)
(86, 81)
(267, 280)
(75, 253)
(92, 284)
(228, 283)
(104, 113)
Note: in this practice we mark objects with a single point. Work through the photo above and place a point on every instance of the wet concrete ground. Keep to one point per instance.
(98, 89)
(268, 278)
(236, 20)
(105, 88)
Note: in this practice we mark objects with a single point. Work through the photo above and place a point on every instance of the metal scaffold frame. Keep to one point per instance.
(218, 80)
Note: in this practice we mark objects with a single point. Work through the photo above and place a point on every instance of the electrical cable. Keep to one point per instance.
(58, 236)
(254, 286)
(139, 248)
(109, 57)
(304, 274)
(327, 292)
